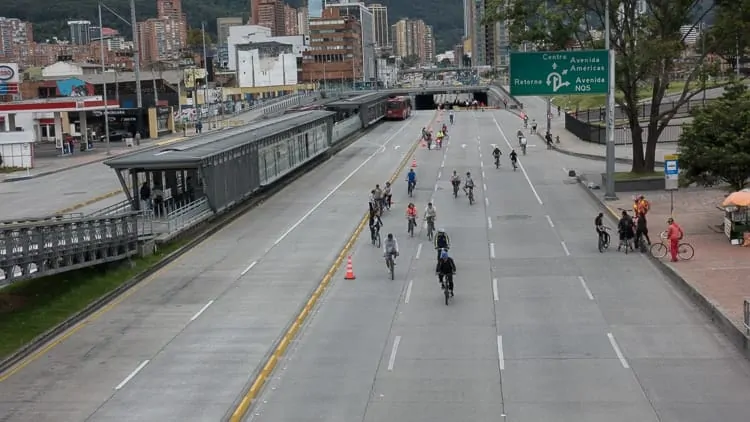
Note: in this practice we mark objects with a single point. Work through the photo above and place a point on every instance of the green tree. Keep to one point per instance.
(649, 49)
(715, 146)
(195, 38)
(410, 61)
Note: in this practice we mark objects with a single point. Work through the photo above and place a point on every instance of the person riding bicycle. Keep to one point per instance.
(442, 241)
(520, 136)
(450, 116)
(523, 143)
(497, 153)
(378, 196)
(374, 205)
(601, 229)
(625, 228)
(445, 270)
(533, 126)
(525, 121)
(375, 224)
(411, 178)
(411, 212)
(390, 247)
(468, 184)
(430, 213)
(513, 157)
(444, 129)
(455, 181)
(387, 195)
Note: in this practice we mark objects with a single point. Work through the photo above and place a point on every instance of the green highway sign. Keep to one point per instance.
(559, 73)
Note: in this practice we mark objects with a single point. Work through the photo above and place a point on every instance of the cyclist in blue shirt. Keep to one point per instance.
(411, 177)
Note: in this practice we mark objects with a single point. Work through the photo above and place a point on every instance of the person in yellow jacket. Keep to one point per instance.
(640, 205)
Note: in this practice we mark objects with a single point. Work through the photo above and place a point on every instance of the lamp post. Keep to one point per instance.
(104, 82)
(610, 116)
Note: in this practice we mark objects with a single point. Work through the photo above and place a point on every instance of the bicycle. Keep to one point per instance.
(410, 188)
(523, 149)
(515, 164)
(391, 264)
(430, 227)
(446, 283)
(603, 241)
(497, 162)
(412, 224)
(470, 194)
(375, 236)
(685, 250)
(625, 244)
(455, 189)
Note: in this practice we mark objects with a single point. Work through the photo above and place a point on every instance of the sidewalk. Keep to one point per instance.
(45, 166)
(570, 144)
(718, 272)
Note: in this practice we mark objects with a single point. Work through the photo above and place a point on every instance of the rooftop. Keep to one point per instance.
(190, 153)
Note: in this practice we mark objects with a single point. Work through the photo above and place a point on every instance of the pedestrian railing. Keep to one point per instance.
(57, 218)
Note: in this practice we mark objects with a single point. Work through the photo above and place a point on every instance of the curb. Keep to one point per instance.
(595, 157)
(710, 309)
(53, 335)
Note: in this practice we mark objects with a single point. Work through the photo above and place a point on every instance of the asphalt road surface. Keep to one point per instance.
(184, 343)
(542, 328)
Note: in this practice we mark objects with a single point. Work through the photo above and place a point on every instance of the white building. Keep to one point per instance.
(67, 69)
(249, 34)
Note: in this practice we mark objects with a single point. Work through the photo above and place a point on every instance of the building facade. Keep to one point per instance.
(80, 32)
(14, 32)
(250, 34)
(380, 21)
(291, 23)
(335, 51)
(361, 13)
(271, 15)
(266, 64)
(159, 40)
(222, 32)
(172, 10)
(411, 37)
(429, 45)
(314, 9)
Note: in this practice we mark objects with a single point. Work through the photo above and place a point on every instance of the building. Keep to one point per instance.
(335, 52)
(291, 22)
(458, 54)
(172, 10)
(360, 12)
(429, 45)
(249, 34)
(303, 20)
(69, 69)
(314, 9)
(222, 31)
(159, 40)
(410, 38)
(14, 32)
(271, 15)
(80, 32)
(380, 21)
(266, 64)
(690, 34)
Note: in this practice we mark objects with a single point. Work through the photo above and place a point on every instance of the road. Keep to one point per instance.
(181, 346)
(542, 327)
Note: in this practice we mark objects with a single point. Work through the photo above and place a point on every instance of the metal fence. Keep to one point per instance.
(643, 110)
(597, 133)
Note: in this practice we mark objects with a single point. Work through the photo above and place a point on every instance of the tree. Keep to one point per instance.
(715, 146)
(649, 48)
(195, 38)
(410, 61)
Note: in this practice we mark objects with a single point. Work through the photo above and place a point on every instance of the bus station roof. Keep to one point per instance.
(359, 100)
(190, 153)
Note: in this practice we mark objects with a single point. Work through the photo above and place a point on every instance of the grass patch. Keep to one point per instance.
(10, 169)
(626, 175)
(30, 308)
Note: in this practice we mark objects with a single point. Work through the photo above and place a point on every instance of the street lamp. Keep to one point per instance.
(104, 82)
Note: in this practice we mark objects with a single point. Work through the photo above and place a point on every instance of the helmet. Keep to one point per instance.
(468, 173)
(441, 230)
(429, 204)
(390, 236)
(444, 254)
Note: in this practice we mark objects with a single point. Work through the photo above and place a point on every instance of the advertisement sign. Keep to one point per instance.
(9, 73)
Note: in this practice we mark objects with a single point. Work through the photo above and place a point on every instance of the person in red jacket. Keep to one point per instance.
(674, 234)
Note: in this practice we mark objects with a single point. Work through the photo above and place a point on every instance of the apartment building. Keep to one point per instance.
(335, 51)
(291, 23)
(14, 32)
(271, 15)
(410, 38)
(382, 29)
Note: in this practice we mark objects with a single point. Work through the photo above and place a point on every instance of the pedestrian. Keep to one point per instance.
(674, 234)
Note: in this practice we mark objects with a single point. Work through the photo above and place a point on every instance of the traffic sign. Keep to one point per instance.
(559, 73)
(671, 172)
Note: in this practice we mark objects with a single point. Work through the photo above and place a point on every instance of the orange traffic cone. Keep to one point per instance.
(349, 269)
(413, 163)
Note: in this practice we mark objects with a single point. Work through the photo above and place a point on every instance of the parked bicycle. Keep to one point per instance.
(685, 250)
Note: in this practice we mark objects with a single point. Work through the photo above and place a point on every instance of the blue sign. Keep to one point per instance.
(671, 172)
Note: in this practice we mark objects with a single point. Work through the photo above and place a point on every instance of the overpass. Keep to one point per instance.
(437, 70)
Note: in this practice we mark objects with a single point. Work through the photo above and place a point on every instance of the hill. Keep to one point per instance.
(50, 19)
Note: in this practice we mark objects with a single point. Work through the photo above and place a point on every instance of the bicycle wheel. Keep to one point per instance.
(393, 268)
(377, 239)
(685, 251)
(659, 250)
(447, 294)
(601, 244)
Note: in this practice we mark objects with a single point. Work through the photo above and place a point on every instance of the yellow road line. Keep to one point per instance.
(241, 410)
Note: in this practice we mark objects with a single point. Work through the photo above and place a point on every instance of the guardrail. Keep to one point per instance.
(42, 220)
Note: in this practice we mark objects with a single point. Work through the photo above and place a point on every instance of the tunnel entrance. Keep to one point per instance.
(424, 102)
(481, 98)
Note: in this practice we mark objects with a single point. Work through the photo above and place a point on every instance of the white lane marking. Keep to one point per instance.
(486, 201)
(419, 251)
(408, 292)
(337, 187)
(463, 146)
(484, 186)
(492, 250)
(436, 186)
(618, 352)
(203, 309)
(520, 165)
(489, 222)
(442, 164)
(440, 174)
(249, 267)
(394, 350)
(500, 354)
(132, 374)
(482, 174)
(549, 220)
(586, 288)
(565, 248)
(495, 295)
(565, 170)
(481, 164)
(480, 155)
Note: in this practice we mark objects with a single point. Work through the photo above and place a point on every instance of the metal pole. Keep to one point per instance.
(610, 167)
(104, 84)
(703, 53)
(205, 68)
(137, 48)
(549, 114)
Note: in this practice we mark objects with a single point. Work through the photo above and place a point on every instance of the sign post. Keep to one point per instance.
(671, 178)
(559, 73)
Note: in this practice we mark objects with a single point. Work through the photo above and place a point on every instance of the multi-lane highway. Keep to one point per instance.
(542, 327)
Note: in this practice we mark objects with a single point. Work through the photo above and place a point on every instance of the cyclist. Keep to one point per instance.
(445, 270)
(533, 126)
(625, 229)
(375, 224)
(373, 204)
(411, 178)
(601, 229)
(523, 144)
(390, 247)
(513, 158)
(450, 116)
(430, 214)
(525, 121)
(468, 184)
(411, 213)
(387, 195)
(497, 153)
(520, 136)
(442, 241)
(641, 229)
(378, 196)
(439, 139)
(444, 129)
(456, 182)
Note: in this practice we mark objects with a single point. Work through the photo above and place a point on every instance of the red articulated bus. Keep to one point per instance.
(398, 108)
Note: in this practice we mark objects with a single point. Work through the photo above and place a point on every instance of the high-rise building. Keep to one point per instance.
(303, 19)
(222, 32)
(410, 39)
(360, 12)
(429, 44)
(14, 32)
(291, 25)
(382, 29)
(328, 58)
(79, 32)
(172, 10)
(159, 40)
(271, 15)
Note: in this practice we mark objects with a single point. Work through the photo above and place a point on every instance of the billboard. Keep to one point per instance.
(191, 75)
(74, 87)
(9, 78)
(255, 69)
